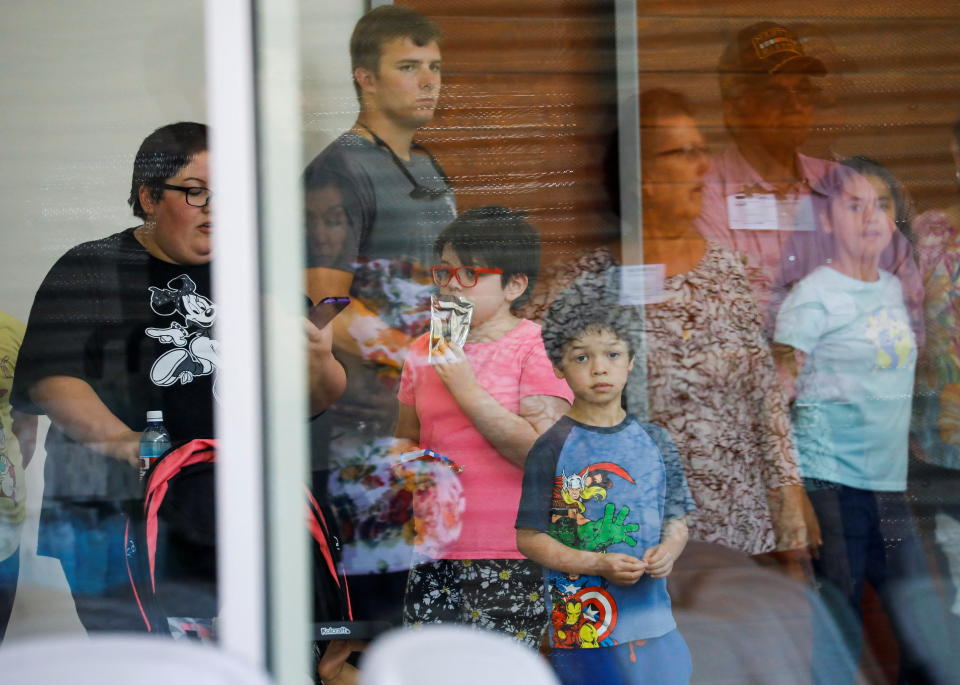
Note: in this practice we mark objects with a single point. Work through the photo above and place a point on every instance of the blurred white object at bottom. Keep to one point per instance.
(443, 654)
(139, 659)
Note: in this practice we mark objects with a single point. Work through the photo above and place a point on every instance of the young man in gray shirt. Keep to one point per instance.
(375, 203)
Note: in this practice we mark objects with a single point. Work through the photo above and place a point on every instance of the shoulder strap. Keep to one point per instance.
(193, 452)
(320, 531)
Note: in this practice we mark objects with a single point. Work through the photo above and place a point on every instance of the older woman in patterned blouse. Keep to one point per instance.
(711, 379)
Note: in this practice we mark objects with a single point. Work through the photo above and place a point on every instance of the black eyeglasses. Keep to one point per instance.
(419, 192)
(197, 196)
(467, 276)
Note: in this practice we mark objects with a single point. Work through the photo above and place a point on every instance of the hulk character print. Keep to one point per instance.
(568, 523)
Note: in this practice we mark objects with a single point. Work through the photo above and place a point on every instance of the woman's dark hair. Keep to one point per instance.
(319, 177)
(901, 200)
(161, 155)
(495, 237)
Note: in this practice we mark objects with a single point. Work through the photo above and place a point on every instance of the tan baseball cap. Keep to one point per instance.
(768, 48)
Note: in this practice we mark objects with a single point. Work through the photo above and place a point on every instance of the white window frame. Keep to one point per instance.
(263, 564)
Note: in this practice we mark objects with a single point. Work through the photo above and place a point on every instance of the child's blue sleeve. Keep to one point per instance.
(539, 474)
(678, 501)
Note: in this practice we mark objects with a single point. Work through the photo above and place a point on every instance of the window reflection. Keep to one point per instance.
(935, 442)
(749, 434)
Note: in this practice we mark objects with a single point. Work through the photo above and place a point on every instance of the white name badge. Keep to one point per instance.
(756, 212)
(764, 212)
(642, 284)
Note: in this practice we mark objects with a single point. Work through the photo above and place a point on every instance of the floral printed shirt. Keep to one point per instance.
(936, 410)
(711, 383)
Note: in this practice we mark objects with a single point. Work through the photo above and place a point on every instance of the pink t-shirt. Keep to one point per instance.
(510, 368)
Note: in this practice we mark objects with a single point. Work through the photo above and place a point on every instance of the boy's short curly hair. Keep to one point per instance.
(589, 305)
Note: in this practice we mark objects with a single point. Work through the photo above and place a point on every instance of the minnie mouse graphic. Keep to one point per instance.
(195, 353)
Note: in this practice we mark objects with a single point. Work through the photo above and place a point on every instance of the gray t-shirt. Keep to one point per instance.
(389, 244)
(384, 221)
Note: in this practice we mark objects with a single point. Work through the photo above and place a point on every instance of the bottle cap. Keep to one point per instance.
(155, 416)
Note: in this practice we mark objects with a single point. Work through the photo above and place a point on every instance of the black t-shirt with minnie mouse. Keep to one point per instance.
(139, 331)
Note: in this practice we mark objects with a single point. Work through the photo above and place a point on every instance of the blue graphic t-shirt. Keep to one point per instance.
(604, 490)
(852, 413)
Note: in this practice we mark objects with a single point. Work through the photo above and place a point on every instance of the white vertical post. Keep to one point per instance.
(631, 210)
(253, 71)
(628, 124)
(284, 363)
(236, 287)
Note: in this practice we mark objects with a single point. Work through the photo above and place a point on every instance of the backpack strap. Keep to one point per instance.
(193, 452)
(204, 450)
(320, 531)
(133, 582)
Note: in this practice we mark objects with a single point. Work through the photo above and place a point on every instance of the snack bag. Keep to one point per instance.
(449, 322)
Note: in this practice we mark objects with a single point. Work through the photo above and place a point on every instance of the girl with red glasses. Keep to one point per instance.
(483, 406)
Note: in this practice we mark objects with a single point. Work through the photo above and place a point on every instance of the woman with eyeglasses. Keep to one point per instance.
(711, 380)
(121, 326)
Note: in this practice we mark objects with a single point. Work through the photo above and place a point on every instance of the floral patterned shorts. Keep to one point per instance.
(505, 595)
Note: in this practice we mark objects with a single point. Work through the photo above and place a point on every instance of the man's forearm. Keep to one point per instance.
(328, 380)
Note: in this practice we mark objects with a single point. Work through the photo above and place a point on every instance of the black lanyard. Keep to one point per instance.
(419, 192)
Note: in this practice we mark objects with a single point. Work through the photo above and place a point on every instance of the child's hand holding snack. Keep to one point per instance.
(453, 367)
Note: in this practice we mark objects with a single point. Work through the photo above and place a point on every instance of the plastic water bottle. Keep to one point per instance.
(154, 441)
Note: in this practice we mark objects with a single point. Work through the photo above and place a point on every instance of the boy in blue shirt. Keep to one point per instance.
(603, 507)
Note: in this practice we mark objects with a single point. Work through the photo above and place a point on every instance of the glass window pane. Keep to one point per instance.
(595, 324)
(111, 278)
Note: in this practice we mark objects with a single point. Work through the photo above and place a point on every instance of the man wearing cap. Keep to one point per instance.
(757, 195)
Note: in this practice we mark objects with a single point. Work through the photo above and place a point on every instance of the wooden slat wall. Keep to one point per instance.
(895, 100)
(528, 101)
(530, 96)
